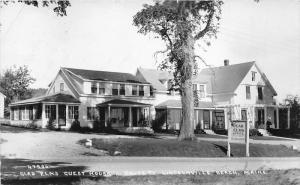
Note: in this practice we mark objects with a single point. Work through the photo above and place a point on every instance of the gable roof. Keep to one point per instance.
(154, 76)
(105, 76)
(224, 79)
(58, 97)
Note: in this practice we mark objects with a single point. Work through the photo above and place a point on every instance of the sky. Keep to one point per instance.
(99, 35)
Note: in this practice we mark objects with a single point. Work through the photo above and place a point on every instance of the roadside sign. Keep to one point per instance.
(238, 132)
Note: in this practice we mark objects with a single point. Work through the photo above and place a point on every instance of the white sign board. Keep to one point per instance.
(237, 132)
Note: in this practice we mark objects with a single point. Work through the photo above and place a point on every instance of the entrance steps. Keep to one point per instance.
(210, 132)
(264, 132)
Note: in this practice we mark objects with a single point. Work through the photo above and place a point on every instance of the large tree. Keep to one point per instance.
(181, 24)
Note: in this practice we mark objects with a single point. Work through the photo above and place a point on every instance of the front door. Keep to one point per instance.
(261, 118)
(206, 119)
(62, 115)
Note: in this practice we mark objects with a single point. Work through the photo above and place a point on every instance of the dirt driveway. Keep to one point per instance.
(46, 145)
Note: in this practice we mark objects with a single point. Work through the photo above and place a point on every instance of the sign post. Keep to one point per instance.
(238, 132)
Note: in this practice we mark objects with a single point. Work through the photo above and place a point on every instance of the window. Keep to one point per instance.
(202, 91)
(53, 89)
(16, 114)
(115, 89)
(151, 91)
(94, 88)
(244, 114)
(73, 112)
(102, 88)
(253, 75)
(141, 90)
(260, 93)
(91, 113)
(50, 111)
(62, 87)
(195, 87)
(12, 117)
(199, 90)
(134, 90)
(30, 112)
(122, 89)
(248, 92)
(23, 113)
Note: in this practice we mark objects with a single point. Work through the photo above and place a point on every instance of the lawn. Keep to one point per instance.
(174, 148)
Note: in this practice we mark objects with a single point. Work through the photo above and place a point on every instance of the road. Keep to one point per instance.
(63, 147)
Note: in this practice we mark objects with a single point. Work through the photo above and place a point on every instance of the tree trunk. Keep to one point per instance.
(187, 99)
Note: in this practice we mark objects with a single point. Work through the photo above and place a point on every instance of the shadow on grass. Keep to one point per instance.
(15, 129)
(223, 149)
(36, 172)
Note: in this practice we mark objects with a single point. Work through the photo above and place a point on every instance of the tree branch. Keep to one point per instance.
(201, 33)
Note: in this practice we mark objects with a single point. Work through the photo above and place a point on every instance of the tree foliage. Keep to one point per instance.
(294, 103)
(60, 6)
(175, 22)
(15, 82)
(180, 24)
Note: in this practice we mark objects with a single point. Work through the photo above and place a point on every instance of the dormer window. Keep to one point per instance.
(134, 90)
(115, 89)
(94, 88)
(253, 76)
(141, 90)
(122, 89)
(101, 88)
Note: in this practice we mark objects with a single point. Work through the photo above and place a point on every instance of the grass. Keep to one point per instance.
(268, 138)
(174, 148)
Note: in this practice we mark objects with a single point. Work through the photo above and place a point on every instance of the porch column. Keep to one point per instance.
(149, 117)
(210, 119)
(225, 119)
(288, 118)
(67, 110)
(277, 117)
(137, 115)
(196, 119)
(44, 121)
(253, 117)
(130, 116)
(57, 114)
(266, 116)
(108, 117)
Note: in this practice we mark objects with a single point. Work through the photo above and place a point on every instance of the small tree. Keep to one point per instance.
(15, 82)
(180, 24)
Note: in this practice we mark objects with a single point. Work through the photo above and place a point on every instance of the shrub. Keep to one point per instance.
(75, 126)
(254, 132)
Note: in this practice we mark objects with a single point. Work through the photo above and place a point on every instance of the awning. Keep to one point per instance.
(122, 103)
(54, 98)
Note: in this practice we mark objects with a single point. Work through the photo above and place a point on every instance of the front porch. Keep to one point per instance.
(120, 114)
(57, 111)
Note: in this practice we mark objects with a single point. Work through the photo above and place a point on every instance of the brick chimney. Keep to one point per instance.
(226, 62)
